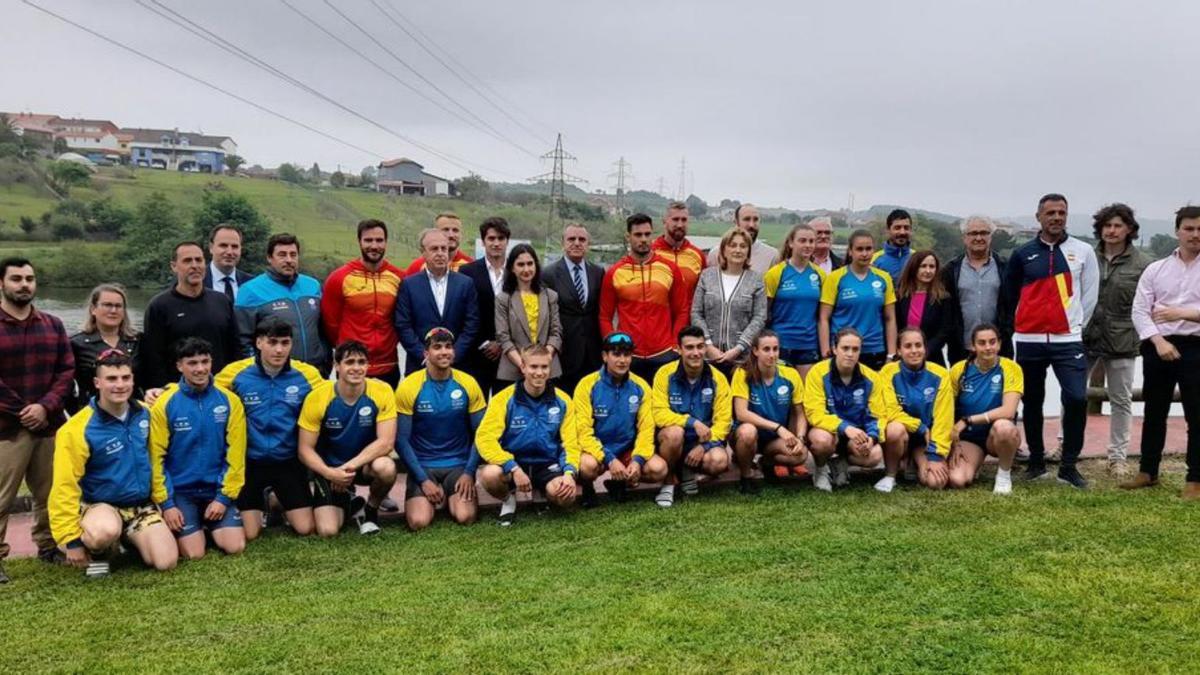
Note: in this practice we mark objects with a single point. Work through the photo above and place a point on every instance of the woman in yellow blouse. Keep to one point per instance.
(526, 313)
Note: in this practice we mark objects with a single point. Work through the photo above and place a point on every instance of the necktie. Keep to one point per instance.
(228, 288)
(579, 289)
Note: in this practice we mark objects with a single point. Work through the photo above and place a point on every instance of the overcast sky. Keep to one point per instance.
(957, 106)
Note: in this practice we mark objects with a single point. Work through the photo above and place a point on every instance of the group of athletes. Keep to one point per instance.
(213, 458)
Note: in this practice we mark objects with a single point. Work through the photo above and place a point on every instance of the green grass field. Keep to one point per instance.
(1048, 580)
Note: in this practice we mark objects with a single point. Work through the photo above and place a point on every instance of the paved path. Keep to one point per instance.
(1095, 446)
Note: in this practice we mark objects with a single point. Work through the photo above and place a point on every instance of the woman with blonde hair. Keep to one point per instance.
(730, 304)
(106, 327)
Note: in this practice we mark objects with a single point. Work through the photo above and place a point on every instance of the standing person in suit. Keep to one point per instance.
(487, 274)
(577, 283)
(526, 314)
(451, 225)
(922, 302)
(435, 297)
(225, 250)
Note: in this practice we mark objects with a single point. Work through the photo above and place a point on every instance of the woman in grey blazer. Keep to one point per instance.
(524, 301)
(730, 303)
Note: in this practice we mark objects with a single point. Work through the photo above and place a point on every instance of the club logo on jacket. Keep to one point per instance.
(554, 415)
(220, 414)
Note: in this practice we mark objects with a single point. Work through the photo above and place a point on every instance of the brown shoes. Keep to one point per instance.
(1191, 492)
(1143, 480)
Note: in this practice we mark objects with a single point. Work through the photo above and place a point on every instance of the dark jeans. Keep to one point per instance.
(646, 367)
(875, 362)
(1158, 382)
(1070, 366)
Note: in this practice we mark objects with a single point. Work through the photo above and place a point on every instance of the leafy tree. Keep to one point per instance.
(150, 239)
(234, 162)
(1003, 243)
(28, 225)
(314, 173)
(1161, 245)
(570, 209)
(69, 174)
(288, 173)
(108, 218)
(224, 206)
(67, 226)
(697, 208)
(337, 179)
(60, 146)
(473, 188)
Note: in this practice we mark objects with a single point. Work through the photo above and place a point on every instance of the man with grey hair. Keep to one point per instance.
(823, 255)
(973, 282)
(762, 256)
(436, 297)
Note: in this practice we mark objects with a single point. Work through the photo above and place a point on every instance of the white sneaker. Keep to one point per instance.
(389, 505)
(666, 496)
(821, 479)
(841, 472)
(508, 509)
(1003, 485)
(886, 484)
(366, 527)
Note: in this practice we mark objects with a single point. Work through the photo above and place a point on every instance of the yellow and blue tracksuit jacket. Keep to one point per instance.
(98, 459)
(436, 422)
(197, 444)
(614, 417)
(677, 402)
(833, 405)
(518, 428)
(272, 405)
(923, 401)
(978, 391)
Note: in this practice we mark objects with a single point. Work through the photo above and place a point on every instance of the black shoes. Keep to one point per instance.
(1036, 471)
(52, 556)
(1071, 476)
(3, 576)
(616, 490)
(748, 486)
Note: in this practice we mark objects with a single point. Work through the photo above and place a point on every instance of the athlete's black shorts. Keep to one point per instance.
(540, 475)
(324, 494)
(447, 478)
(289, 480)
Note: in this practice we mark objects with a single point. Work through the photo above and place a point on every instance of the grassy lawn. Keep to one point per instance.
(1047, 580)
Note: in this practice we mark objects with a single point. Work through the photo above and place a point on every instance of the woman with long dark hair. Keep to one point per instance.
(921, 302)
(861, 297)
(526, 314)
(920, 402)
(768, 405)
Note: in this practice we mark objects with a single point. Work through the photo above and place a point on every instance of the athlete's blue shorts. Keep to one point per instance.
(193, 507)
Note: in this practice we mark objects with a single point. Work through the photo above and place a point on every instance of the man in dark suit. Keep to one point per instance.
(580, 315)
(436, 297)
(225, 250)
(487, 274)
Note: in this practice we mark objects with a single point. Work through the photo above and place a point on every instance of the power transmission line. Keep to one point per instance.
(621, 174)
(558, 180)
(454, 72)
(209, 36)
(201, 81)
(483, 83)
(427, 81)
(679, 193)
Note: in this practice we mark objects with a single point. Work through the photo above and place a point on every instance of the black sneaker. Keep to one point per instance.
(3, 576)
(616, 490)
(52, 556)
(748, 486)
(589, 500)
(1036, 471)
(1071, 476)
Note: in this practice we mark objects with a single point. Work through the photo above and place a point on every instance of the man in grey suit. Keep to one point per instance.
(577, 283)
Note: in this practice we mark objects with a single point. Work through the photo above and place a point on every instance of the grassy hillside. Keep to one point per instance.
(324, 218)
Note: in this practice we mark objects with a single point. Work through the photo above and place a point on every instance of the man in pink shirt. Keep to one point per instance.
(1166, 315)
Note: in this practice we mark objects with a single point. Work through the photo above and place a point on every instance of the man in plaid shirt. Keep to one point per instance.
(36, 371)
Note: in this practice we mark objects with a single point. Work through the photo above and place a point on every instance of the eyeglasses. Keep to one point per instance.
(110, 306)
(979, 233)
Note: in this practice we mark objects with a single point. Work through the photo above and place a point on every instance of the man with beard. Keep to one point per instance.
(451, 224)
(282, 291)
(36, 374)
(674, 246)
(359, 298)
(896, 250)
(187, 309)
(762, 256)
(225, 248)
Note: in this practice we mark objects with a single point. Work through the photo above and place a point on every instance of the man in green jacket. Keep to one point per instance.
(1110, 339)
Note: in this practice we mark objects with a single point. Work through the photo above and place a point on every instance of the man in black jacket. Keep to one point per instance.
(580, 314)
(973, 281)
(487, 273)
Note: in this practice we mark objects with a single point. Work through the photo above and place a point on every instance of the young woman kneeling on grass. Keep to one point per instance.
(844, 403)
(987, 389)
(920, 401)
(768, 404)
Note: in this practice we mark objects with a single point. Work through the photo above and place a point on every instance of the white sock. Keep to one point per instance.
(667, 490)
(1003, 483)
(1005, 474)
(509, 505)
(886, 484)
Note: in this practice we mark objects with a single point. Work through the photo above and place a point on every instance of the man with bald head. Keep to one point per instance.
(435, 297)
(577, 283)
(762, 256)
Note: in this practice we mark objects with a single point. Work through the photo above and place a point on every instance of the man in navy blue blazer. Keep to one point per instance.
(225, 250)
(436, 297)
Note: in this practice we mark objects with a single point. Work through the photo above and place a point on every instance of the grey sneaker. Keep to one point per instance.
(841, 472)
(688, 483)
(97, 569)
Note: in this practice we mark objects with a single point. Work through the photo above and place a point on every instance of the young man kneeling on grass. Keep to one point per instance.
(101, 488)
(198, 455)
(347, 431)
(438, 410)
(528, 439)
(616, 425)
(693, 411)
